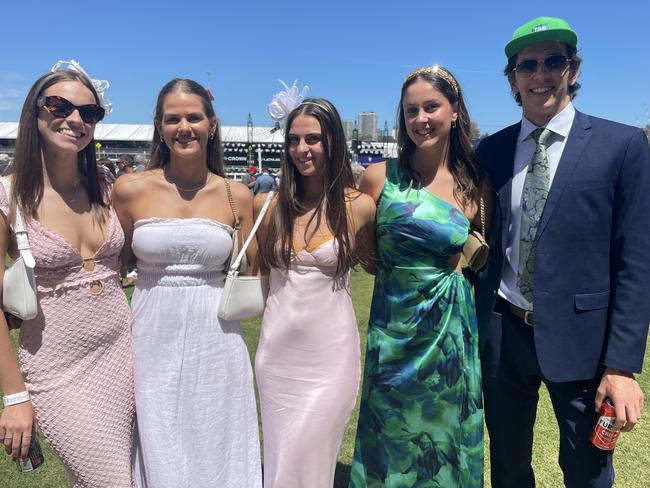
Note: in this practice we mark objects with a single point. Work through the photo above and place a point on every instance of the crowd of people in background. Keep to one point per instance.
(257, 181)
(260, 181)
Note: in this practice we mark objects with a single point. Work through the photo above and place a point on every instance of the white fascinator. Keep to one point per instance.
(100, 85)
(284, 102)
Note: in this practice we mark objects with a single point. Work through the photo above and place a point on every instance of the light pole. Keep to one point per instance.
(355, 142)
(259, 158)
(385, 139)
(249, 140)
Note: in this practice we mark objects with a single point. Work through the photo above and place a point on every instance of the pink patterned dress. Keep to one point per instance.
(76, 356)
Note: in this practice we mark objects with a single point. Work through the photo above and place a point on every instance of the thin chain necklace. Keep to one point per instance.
(188, 190)
(74, 192)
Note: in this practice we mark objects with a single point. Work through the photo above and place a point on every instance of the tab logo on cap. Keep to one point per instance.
(541, 29)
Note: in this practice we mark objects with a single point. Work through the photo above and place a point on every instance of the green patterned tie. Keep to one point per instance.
(533, 199)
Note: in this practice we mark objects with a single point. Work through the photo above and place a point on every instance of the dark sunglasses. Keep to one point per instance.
(62, 108)
(555, 63)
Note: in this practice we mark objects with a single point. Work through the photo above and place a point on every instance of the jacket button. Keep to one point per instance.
(96, 287)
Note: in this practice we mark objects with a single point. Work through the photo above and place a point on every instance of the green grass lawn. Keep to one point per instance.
(632, 459)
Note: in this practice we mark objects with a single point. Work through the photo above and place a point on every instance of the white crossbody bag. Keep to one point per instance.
(244, 296)
(18, 284)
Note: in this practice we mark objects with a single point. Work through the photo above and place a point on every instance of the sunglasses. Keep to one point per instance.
(62, 108)
(555, 64)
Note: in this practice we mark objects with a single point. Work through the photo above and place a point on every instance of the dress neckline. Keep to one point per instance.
(162, 220)
(76, 250)
(449, 204)
(402, 179)
(311, 248)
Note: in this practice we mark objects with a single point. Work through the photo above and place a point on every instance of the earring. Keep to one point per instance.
(453, 124)
(162, 140)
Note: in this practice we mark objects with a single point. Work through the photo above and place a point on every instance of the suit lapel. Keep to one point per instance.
(575, 145)
(503, 182)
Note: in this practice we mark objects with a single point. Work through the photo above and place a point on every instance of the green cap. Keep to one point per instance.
(539, 30)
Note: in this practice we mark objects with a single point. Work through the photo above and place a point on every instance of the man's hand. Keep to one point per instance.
(625, 393)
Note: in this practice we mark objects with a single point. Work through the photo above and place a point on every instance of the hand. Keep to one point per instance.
(13, 322)
(625, 393)
(16, 429)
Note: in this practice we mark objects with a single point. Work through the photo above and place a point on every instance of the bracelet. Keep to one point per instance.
(15, 398)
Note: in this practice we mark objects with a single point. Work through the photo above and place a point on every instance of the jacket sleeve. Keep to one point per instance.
(630, 260)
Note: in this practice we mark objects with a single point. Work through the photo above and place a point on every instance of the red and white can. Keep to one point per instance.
(604, 436)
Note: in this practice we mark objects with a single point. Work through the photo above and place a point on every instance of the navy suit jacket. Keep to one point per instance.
(592, 258)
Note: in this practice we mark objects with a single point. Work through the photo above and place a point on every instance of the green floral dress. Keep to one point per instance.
(421, 418)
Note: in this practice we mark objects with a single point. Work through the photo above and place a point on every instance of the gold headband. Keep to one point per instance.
(435, 70)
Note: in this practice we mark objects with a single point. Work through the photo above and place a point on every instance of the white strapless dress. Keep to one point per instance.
(195, 403)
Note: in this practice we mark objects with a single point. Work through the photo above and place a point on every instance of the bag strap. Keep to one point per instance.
(235, 265)
(233, 207)
(236, 235)
(18, 226)
(482, 205)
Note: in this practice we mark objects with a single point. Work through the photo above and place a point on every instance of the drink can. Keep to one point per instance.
(34, 457)
(603, 436)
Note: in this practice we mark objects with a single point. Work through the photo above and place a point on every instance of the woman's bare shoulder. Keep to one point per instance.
(131, 185)
(240, 193)
(373, 179)
(361, 204)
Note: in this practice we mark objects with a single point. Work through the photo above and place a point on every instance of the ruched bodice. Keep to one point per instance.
(193, 376)
(181, 252)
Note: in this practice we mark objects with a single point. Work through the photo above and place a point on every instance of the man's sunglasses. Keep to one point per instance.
(62, 108)
(556, 64)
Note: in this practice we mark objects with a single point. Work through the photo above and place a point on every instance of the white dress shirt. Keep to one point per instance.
(560, 125)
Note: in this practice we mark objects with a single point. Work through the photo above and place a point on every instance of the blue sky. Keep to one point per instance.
(353, 53)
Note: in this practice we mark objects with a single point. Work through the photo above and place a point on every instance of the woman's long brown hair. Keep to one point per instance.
(277, 250)
(462, 161)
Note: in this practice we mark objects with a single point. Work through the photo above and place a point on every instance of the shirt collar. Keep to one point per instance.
(560, 124)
